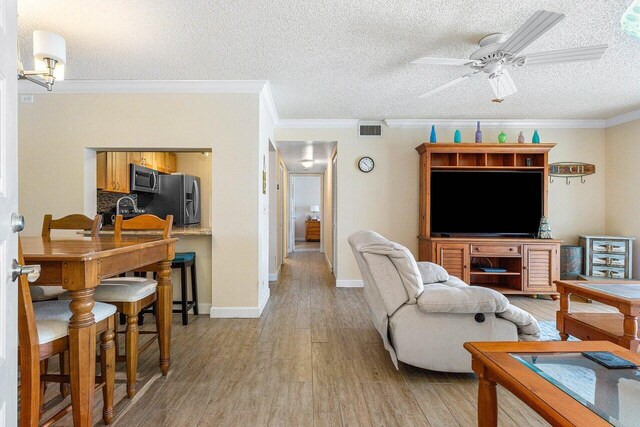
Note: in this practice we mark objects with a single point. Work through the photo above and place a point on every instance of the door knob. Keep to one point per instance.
(17, 222)
(32, 271)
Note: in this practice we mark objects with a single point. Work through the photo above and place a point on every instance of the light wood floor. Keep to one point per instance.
(313, 358)
(307, 246)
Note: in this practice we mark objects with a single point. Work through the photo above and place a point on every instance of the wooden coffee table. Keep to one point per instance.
(549, 377)
(619, 328)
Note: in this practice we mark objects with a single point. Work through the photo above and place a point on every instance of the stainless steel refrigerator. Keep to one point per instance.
(179, 195)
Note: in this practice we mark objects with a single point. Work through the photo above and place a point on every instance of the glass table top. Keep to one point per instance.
(631, 291)
(613, 394)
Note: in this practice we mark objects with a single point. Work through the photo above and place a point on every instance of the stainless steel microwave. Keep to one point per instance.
(144, 180)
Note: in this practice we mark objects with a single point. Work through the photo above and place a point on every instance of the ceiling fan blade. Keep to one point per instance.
(443, 61)
(502, 85)
(577, 54)
(539, 23)
(446, 85)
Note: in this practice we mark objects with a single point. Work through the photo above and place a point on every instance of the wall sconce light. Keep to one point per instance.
(50, 55)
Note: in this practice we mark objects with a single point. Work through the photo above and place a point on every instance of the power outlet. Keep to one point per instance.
(26, 99)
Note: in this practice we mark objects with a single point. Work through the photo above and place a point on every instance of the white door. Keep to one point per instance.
(8, 205)
(334, 214)
(292, 214)
(280, 202)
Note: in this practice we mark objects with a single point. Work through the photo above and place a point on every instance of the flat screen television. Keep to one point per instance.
(486, 203)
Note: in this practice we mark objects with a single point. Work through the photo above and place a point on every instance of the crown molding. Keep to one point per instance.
(317, 124)
(263, 88)
(148, 86)
(623, 118)
(267, 97)
(492, 123)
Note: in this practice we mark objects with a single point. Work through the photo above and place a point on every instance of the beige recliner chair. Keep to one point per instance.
(423, 315)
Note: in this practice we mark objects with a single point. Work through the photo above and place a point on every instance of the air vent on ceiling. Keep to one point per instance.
(369, 129)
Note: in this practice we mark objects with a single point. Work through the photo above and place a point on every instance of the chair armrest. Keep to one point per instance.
(440, 298)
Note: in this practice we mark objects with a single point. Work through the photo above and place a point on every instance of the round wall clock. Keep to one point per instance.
(365, 164)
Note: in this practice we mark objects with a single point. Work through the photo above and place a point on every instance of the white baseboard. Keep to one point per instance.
(264, 298)
(328, 262)
(274, 277)
(349, 284)
(240, 312)
(204, 308)
(234, 312)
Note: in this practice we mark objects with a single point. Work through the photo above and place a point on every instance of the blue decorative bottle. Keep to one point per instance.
(433, 138)
(457, 137)
(536, 137)
(478, 134)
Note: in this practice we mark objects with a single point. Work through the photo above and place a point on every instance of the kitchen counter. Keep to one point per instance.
(175, 232)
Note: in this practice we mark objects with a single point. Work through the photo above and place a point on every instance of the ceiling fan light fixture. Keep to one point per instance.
(630, 21)
(306, 163)
(498, 52)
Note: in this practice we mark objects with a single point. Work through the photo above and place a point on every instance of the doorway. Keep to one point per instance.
(306, 212)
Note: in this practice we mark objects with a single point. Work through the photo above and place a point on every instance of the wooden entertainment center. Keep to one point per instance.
(532, 265)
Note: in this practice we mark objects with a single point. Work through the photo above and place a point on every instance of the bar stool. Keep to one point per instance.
(183, 260)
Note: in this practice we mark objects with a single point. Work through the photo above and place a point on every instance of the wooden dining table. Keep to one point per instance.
(79, 264)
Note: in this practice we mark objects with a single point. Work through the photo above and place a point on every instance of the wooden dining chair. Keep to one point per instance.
(132, 294)
(43, 333)
(77, 222)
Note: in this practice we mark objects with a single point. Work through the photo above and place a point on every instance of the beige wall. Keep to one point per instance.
(623, 185)
(54, 177)
(386, 200)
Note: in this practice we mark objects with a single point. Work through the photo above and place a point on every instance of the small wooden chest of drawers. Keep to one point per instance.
(312, 231)
(607, 256)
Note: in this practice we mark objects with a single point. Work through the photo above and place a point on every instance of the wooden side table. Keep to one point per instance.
(619, 328)
(312, 231)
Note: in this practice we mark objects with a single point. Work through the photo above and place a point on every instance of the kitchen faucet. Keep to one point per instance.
(133, 202)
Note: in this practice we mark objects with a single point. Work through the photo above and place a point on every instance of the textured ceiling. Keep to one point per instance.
(293, 152)
(347, 59)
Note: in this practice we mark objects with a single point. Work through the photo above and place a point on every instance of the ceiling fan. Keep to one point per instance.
(498, 52)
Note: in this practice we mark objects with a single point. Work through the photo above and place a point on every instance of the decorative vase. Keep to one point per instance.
(502, 138)
(478, 134)
(457, 137)
(433, 138)
(536, 137)
(520, 138)
(544, 231)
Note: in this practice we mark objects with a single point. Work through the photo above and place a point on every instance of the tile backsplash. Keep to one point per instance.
(107, 200)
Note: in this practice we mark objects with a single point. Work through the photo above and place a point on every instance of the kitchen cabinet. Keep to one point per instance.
(101, 172)
(165, 162)
(113, 167)
(112, 172)
(170, 162)
(148, 159)
(135, 157)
